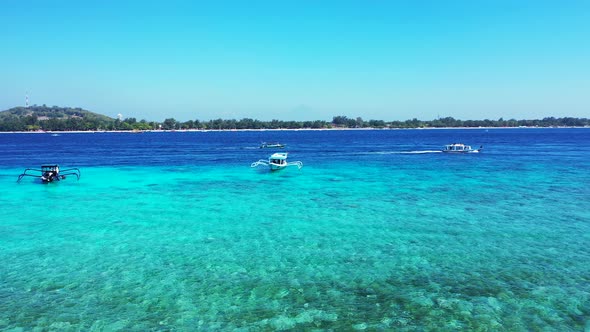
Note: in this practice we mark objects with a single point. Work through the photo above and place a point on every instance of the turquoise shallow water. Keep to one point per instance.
(358, 239)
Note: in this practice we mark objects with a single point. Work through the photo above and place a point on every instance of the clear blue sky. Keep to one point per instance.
(299, 60)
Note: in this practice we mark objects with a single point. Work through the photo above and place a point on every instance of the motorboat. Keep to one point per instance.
(277, 161)
(265, 145)
(460, 148)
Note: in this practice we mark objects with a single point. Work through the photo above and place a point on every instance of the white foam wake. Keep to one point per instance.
(424, 151)
(407, 152)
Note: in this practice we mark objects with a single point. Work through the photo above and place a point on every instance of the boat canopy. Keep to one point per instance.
(278, 156)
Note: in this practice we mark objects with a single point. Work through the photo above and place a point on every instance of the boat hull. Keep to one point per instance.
(459, 152)
(275, 167)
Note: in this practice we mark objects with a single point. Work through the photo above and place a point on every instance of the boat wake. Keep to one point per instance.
(424, 151)
(408, 152)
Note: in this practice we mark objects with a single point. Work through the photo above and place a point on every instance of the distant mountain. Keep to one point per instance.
(53, 112)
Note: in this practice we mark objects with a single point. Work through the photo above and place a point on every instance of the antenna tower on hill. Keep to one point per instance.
(27, 100)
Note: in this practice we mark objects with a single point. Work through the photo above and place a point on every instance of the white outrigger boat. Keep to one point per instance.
(50, 173)
(460, 148)
(277, 161)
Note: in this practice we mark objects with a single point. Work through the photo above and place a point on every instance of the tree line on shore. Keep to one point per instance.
(44, 118)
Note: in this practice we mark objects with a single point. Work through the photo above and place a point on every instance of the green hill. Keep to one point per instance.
(52, 118)
(55, 112)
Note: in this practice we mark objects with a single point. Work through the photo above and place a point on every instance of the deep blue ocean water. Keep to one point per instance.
(378, 231)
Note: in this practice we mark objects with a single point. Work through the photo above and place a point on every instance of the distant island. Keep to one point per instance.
(53, 118)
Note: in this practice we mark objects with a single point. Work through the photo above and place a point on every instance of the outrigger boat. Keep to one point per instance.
(277, 161)
(460, 148)
(50, 173)
(272, 145)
